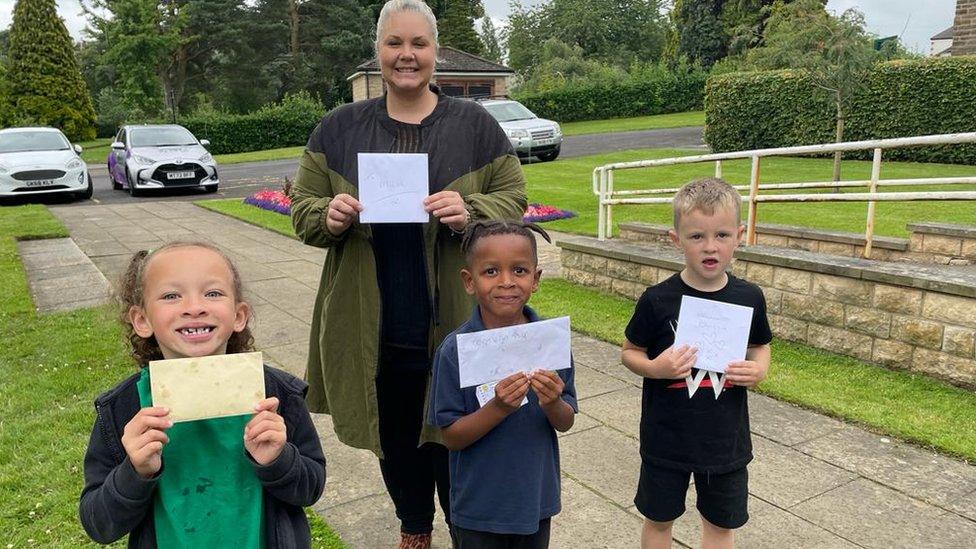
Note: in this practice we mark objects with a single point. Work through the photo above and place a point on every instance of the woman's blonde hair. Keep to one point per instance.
(393, 7)
(130, 293)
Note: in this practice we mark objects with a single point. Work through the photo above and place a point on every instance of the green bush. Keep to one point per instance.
(646, 93)
(900, 98)
(285, 124)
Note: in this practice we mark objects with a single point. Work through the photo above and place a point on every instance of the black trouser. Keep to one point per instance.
(410, 473)
(473, 539)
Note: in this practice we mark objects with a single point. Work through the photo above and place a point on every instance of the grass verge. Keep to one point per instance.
(654, 122)
(51, 369)
(912, 407)
(567, 184)
(235, 207)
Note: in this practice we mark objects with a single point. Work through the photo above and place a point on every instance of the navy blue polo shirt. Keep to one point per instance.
(507, 481)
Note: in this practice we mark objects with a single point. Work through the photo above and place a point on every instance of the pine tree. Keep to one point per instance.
(456, 25)
(44, 84)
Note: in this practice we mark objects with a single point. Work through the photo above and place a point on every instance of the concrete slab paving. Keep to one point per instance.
(60, 277)
(815, 482)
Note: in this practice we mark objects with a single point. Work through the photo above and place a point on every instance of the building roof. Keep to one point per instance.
(450, 60)
(944, 35)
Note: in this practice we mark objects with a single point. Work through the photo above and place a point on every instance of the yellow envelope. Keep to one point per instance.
(208, 387)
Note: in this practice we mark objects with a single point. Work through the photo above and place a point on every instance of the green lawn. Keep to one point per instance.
(654, 122)
(911, 407)
(95, 153)
(567, 184)
(51, 369)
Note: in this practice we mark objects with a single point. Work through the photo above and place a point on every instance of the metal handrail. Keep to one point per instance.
(603, 181)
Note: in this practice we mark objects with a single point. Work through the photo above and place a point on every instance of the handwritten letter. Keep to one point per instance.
(492, 355)
(719, 330)
(392, 188)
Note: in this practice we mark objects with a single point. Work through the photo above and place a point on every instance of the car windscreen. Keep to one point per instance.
(161, 137)
(32, 141)
(507, 112)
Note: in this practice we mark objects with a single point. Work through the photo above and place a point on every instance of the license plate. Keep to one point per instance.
(544, 141)
(41, 183)
(180, 175)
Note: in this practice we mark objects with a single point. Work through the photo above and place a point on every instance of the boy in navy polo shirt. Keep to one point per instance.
(701, 435)
(504, 456)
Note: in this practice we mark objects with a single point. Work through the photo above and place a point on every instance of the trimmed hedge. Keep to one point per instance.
(900, 98)
(286, 124)
(662, 93)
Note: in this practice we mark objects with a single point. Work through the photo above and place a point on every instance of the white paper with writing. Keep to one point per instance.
(719, 330)
(392, 188)
(493, 355)
(486, 392)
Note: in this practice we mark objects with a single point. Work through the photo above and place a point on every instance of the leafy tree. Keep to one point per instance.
(561, 64)
(43, 82)
(455, 25)
(698, 33)
(835, 51)
(492, 40)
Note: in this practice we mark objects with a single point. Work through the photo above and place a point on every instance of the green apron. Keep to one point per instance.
(208, 494)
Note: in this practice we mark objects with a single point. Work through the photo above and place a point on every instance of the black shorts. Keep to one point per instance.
(722, 499)
(474, 539)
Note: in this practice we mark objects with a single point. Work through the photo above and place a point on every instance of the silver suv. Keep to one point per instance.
(530, 135)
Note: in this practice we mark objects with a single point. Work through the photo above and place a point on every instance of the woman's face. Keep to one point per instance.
(406, 52)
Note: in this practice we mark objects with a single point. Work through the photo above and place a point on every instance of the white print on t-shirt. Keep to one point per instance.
(486, 392)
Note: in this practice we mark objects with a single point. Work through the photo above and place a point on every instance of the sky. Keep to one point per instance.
(913, 20)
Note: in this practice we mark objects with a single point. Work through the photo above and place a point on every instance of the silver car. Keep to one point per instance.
(41, 161)
(160, 156)
(529, 134)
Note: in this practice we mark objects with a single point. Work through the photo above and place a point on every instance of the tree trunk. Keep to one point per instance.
(839, 139)
(293, 24)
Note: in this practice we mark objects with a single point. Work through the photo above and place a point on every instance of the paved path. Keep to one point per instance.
(815, 482)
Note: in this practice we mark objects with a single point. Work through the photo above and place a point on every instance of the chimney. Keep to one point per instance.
(964, 28)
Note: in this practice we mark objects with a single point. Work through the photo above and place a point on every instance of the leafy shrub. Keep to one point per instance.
(901, 98)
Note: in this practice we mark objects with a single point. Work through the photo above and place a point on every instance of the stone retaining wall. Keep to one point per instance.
(912, 317)
(938, 243)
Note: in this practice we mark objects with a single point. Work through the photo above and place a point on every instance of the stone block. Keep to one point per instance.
(570, 258)
(837, 248)
(843, 289)
(802, 244)
(772, 240)
(916, 331)
(739, 268)
(626, 288)
(664, 274)
(867, 321)
(941, 244)
(761, 274)
(594, 263)
(581, 277)
(958, 341)
(602, 282)
(840, 341)
(813, 309)
(968, 248)
(623, 270)
(915, 242)
(892, 353)
(792, 280)
(774, 300)
(648, 275)
(949, 367)
(950, 309)
(785, 327)
(897, 299)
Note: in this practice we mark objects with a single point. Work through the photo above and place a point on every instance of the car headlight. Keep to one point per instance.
(517, 133)
(74, 163)
(206, 158)
(559, 131)
(142, 159)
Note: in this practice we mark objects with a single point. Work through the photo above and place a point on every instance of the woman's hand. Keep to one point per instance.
(448, 207)
(343, 209)
(265, 434)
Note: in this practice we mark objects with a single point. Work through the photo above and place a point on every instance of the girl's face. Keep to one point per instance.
(189, 303)
(406, 52)
(503, 274)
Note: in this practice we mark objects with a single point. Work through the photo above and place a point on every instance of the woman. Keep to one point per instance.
(389, 293)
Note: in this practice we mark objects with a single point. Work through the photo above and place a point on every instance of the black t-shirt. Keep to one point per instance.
(700, 434)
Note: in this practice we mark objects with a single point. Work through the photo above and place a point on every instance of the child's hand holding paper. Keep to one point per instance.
(265, 434)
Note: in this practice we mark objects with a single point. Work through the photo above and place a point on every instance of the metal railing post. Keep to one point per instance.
(610, 206)
(753, 193)
(718, 169)
(601, 228)
(869, 226)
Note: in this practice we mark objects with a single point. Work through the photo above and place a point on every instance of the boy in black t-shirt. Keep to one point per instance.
(704, 435)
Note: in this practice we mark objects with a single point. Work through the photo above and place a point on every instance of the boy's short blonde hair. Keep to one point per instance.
(705, 195)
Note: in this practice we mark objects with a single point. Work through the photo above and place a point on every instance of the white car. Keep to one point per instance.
(41, 161)
(160, 156)
(529, 134)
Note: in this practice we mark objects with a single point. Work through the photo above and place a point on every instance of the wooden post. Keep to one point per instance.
(869, 226)
(753, 193)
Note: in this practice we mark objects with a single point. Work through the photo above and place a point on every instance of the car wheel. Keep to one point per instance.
(128, 181)
(210, 188)
(549, 156)
(116, 186)
(87, 193)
